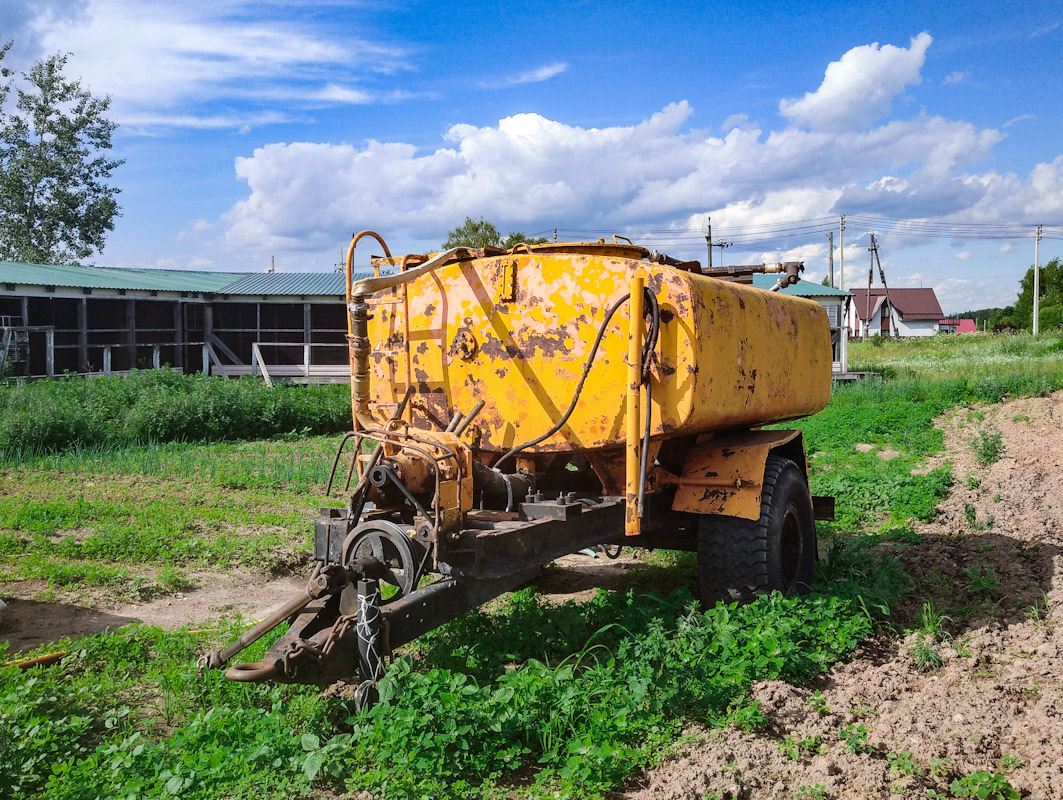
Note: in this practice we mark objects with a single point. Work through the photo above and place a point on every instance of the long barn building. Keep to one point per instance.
(57, 320)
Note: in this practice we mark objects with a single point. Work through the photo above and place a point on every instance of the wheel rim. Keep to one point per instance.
(791, 544)
(388, 544)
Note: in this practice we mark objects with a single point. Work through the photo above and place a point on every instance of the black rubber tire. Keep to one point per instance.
(739, 559)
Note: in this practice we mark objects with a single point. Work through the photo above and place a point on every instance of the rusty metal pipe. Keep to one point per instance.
(633, 447)
(378, 283)
(466, 421)
(217, 659)
(358, 331)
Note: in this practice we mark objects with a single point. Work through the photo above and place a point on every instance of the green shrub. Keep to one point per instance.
(161, 406)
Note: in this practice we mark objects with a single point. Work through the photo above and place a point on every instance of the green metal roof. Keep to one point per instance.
(290, 283)
(802, 288)
(171, 280)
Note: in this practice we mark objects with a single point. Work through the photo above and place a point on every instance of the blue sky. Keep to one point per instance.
(268, 128)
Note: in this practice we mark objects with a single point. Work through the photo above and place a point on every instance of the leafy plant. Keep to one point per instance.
(902, 762)
(984, 786)
(988, 447)
(818, 703)
(1009, 763)
(856, 738)
(160, 406)
(982, 580)
(925, 653)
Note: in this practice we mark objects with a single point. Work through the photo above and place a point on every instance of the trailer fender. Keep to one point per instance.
(724, 473)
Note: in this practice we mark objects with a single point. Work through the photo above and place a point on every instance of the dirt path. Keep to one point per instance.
(995, 704)
(29, 623)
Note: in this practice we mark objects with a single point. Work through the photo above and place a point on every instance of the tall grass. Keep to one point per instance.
(969, 357)
(161, 406)
(297, 464)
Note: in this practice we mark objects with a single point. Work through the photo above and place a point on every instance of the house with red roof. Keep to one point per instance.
(905, 312)
(967, 326)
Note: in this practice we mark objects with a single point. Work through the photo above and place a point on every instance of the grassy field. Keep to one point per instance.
(524, 698)
(134, 520)
(968, 357)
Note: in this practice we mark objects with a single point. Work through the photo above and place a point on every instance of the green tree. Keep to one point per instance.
(478, 233)
(516, 237)
(56, 204)
(473, 233)
(1051, 286)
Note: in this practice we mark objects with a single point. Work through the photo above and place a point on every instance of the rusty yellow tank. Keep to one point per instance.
(515, 330)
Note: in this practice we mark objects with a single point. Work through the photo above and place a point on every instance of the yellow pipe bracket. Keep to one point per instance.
(632, 523)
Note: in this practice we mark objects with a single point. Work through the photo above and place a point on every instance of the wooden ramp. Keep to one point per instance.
(305, 372)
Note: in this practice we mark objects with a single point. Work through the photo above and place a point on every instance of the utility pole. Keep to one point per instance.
(1036, 280)
(708, 238)
(841, 256)
(709, 243)
(870, 278)
(830, 249)
(885, 287)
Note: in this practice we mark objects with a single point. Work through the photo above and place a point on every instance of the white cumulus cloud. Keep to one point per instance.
(164, 62)
(859, 88)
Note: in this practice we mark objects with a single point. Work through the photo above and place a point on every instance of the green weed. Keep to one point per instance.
(815, 792)
(984, 786)
(982, 580)
(581, 695)
(1009, 763)
(988, 447)
(925, 653)
(903, 763)
(856, 738)
(818, 703)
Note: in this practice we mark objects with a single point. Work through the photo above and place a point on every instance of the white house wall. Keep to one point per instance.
(916, 327)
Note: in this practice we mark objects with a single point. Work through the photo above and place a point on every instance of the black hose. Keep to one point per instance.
(651, 343)
(648, 346)
(575, 395)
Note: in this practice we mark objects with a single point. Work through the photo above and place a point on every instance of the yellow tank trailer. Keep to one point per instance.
(530, 403)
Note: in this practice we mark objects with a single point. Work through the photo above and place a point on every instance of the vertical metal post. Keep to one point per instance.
(156, 358)
(708, 238)
(49, 352)
(632, 524)
(106, 359)
(830, 253)
(306, 340)
(208, 334)
(131, 332)
(83, 335)
(1037, 281)
(178, 337)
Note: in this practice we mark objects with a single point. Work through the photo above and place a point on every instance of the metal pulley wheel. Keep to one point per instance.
(391, 546)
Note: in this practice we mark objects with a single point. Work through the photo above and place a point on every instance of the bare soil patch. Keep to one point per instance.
(28, 622)
(991, 561)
